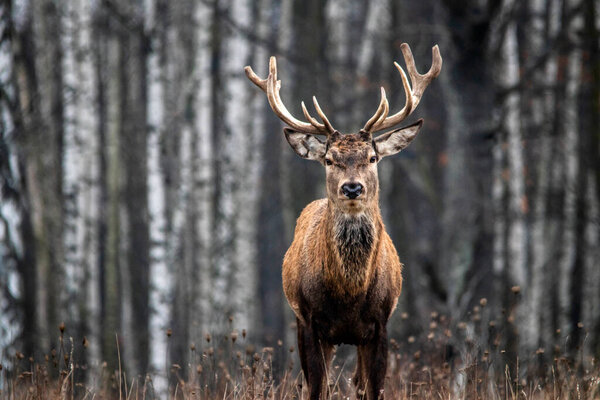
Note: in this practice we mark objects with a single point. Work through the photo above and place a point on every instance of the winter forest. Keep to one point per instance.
(148, 195)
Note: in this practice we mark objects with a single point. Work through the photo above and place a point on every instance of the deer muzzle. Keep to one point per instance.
(352, 190)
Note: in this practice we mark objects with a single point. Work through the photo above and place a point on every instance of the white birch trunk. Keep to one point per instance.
(82, 168)
(160, 273)
(516, 183)
(377, 11)
(10, 328)
(74, 166)
(80, 303)
(242, 173)
(204, 154)
(171, 140)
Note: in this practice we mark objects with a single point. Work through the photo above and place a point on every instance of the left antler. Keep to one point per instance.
(380, 119)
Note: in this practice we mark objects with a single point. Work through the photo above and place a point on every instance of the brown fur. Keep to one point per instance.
(342, 275)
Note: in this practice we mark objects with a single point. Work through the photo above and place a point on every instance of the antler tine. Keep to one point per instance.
(310, 118)
(413, 95)
(379, 113)
(322, 115)
(261, 83)
(420, 82)
(271, 87)
(385, 113)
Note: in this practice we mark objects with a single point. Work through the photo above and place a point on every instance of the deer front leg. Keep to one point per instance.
(359, 375)
(314, 358)
(374, 362)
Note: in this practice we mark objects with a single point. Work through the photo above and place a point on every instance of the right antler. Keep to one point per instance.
(380, 119)
(271, 87)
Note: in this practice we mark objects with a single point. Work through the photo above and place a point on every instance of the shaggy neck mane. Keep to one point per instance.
(354, 236)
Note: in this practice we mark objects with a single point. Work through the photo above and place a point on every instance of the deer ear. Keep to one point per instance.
(306, 146)
(394, 141)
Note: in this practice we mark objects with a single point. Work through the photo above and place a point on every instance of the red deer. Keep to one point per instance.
(342, 275)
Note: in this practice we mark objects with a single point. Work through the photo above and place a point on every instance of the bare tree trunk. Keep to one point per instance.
(23, 78)
(569, 129)
(186, 102)
(204, 173)
(339, 22)
(590, 290)
(508, 192)
(270, 235)
(178, 140)
(592, 23)
(223, 177)
(170, 140)
(81, 178)
(517, 202)
(38, 58)
(110, 232)
(394, 197)
(575, 127)
(248, 130)
(303, 81)
(134, 146)
(161, 275)
(285, 37)
(541, 123)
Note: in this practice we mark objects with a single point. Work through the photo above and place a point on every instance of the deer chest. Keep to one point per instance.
(347, 319)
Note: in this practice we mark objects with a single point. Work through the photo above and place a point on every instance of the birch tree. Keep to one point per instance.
(247, 122)
(146, 185)
(161, 277)
(81, 176)
(542, 122)
(508, 174)
(204, 173)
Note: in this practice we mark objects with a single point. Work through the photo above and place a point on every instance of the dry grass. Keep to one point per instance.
(418, 368)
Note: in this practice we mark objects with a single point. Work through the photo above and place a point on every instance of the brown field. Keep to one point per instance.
(229, 367)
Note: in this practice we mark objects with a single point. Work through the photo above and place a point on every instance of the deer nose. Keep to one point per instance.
(352, 189)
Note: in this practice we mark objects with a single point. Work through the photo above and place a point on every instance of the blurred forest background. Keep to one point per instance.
(146, 185)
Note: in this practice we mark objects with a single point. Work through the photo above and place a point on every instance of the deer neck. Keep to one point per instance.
(353, 240)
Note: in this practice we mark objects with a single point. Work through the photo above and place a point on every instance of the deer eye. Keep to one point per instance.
(328, 161)
(373, 159)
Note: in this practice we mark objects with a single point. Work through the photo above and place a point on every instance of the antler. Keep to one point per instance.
(380, 119)
(271, 87)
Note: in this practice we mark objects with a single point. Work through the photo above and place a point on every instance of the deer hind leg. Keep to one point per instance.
(302, 347)
(315, 357)
(374, 363)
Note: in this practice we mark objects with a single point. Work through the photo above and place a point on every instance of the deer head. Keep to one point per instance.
(351, 160)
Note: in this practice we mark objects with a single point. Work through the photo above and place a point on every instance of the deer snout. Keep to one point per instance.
(352, 189)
